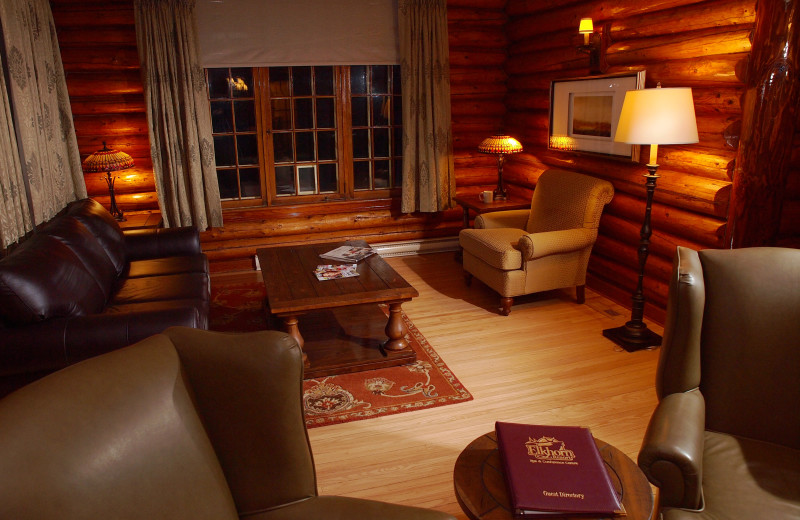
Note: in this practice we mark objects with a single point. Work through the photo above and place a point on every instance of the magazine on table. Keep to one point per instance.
(348, 253)
(333, 272)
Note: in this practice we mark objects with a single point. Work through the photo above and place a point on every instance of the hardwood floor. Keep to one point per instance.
(546, 363)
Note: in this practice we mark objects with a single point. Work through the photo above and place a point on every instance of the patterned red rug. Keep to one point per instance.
(349, 397)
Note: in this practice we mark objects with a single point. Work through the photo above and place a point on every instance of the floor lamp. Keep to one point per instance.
(650, 116)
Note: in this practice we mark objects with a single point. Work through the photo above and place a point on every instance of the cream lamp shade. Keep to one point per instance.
(586, 28)
(657, 116)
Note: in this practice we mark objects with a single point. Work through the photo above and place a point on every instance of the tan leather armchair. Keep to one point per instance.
(724, 440)
(547, 247)
(188, 424)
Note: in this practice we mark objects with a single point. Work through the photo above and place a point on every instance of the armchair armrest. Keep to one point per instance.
(142, 244)
(248, 390)
(537, 245)
(515, 218)
(672, 450)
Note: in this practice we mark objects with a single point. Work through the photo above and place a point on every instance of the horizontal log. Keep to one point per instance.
(488, 5)
(690, 192)
(714, 164)
(476, 58)
(718, 100)
(702, 15)
(104, 83)
(457, 14)
(528, 19)
(114, 104)
(534, 44)
(89, 17)
(470, 90)
(707, 42)
(111, 124)
(134, 145)
(488, 38)
(790, 218)
(473, 107)
(662, 244)
(528, 100)
(559, 59)
(112, 57)
(701, 71)
(485, 75)
(131, 202)
(134, 180)
(96, 35)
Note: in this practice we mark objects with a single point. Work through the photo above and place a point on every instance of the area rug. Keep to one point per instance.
(427, 383)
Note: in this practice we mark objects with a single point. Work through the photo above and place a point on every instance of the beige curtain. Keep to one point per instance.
(178, 114)
(15, 218)
(428, 174)
(42, 118)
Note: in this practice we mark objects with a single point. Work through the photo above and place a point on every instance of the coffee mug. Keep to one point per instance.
(487, 196)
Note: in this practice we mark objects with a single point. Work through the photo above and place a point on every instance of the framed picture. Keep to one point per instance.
(584, 113)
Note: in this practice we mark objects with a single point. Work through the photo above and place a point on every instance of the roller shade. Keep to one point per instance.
(261, 33)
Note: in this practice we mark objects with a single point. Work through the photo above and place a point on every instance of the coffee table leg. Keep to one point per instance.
(395, 329)
(290, 322)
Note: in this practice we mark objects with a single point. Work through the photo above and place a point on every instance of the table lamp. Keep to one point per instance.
(500, 145)
(650, 116)
(107, 160)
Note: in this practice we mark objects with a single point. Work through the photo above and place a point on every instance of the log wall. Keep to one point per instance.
(101, 63)
(503, 55)
(680, 43)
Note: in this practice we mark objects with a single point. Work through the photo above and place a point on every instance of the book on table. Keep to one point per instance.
(555, 471)
(348, 253)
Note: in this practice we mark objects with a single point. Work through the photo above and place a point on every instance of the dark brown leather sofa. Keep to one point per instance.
(188, 424)
(81, 286)
(724, 440)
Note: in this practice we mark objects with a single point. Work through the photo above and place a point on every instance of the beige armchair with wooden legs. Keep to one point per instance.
(547, 247)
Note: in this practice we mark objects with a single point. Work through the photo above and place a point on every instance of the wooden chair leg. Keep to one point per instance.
(580, 293)
(505, 305)
(467, 278)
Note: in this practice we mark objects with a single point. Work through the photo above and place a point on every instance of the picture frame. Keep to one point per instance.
(584, 113)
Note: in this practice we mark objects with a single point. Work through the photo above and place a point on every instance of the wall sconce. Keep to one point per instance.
(107, 160)
(594, 44)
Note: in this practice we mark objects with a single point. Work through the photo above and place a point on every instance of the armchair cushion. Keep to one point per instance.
(496, 247)
(515, 218)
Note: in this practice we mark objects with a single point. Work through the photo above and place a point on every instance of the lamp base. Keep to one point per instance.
(633, 337)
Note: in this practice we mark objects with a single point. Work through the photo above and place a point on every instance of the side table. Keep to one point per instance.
(481, 491)
(472, 202)
(141, 220)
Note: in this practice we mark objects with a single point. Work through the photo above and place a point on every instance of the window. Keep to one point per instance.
(306, 133)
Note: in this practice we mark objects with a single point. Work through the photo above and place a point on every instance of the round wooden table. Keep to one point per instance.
(481, 490)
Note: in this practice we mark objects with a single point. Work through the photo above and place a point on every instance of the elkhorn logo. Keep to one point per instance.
(545, 449)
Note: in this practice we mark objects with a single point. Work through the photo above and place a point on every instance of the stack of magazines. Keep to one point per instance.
(332, 272)
(348, 254)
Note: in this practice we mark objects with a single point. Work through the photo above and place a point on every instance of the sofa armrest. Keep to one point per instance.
(515, 218)
(537, 245)
(248, 390)
(672, 450)
(142, 244)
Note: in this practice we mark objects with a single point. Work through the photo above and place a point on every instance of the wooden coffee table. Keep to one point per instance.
(338, 322)
(480, 483)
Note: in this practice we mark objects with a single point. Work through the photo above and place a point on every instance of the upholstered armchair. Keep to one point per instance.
(547, 247)
(724, 440)
(188, 424)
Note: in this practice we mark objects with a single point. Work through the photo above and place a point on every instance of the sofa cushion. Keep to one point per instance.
(107, 231)
(183, 286)
(86, 247)
(168, 265)
(44, 279)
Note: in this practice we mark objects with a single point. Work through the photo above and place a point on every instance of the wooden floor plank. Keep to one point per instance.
(547, 362)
